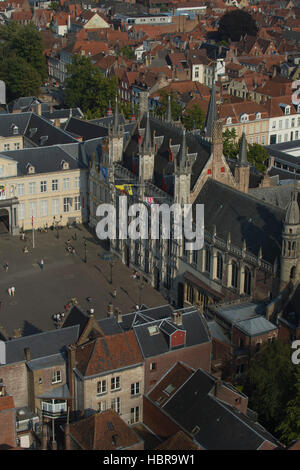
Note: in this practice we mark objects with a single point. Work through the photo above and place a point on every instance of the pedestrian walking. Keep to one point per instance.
(42, 264)
(6, 266)
(9, 291)
(13, 291)
(115, 293)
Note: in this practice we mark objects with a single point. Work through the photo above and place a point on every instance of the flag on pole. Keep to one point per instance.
(149, 200)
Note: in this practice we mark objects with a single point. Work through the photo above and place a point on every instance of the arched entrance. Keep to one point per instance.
(4, 221)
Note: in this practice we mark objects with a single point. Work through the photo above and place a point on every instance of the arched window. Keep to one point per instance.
(234, 274)
(219, 266)
(293, 272)
(247, 281)
(207, 260)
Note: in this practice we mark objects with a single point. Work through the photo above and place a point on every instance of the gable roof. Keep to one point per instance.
(108, 353)
(103, 431)
(213, 424)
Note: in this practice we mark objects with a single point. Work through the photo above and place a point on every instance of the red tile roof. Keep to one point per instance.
(108, 353)
(103, 431)
(6, 403)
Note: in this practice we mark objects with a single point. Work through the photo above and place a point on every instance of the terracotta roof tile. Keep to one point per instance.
(108, 353)
(103, 431)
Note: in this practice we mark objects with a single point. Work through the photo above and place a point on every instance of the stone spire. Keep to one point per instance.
(211, 115)
(147, 142)
(292, 216)
(116, 117)
(169, 110)
(182, 155)
(242, 156)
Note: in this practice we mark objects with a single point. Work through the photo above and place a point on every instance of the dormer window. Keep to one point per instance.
(258, 115)
(244, 118)
(43, 139)
(30, 168)
(15, 129)
(298, 108)
(287, 110)
(65, 165)
(228, 120)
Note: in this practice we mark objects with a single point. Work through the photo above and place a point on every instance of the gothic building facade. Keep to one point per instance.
(250, 247)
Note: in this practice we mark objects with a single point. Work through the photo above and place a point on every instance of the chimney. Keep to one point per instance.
(51, 108)
(177, 318)
(69, 23)
(17, 333)
(118, 314)
(27, 354)
(274, 72)
(57, 122)
(110, 310)
(39, 109)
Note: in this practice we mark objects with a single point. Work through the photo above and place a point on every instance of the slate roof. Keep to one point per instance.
(255, 326)
(48, 361)
(87, 130)
(219, 426)
(162, 166)
(156, 344)
(279, 196)
(33, 127)
(44, 160)
(245, 217)
(41, 345)
(61, 392)
(233, 313)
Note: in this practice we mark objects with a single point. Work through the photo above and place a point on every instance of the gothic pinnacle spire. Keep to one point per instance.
(147, 136)
(211, 115)
(169, 110)
(242, 156)
(116, 117)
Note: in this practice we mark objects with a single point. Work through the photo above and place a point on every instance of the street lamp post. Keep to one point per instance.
(85, 254)
(141, 287)
(111, 271)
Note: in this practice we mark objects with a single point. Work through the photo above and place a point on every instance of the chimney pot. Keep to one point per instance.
(27, 354)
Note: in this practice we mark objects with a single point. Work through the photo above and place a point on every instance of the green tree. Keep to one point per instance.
(236, 24)
(230, 146)
(87, 88)
(20, 77)
(53, 6)
(126, 51)
(194, 118)
(289, 428)
(25, 42)
(257, 156)
(270, 382)
(176, 108)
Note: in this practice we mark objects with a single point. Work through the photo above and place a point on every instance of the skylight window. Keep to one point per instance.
(170, 388)
(153, 330)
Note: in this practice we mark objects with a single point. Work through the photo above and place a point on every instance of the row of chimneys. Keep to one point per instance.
(111, 312)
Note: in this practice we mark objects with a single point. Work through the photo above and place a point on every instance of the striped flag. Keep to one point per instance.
(149, 200)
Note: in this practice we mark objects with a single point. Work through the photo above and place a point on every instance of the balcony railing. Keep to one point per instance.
(53, 409)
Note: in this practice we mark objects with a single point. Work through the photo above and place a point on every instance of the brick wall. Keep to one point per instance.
(7, 427)
(196, 356)
(14, 377)
(157, 421)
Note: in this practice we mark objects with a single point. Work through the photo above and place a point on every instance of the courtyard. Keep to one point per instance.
(85, 275)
